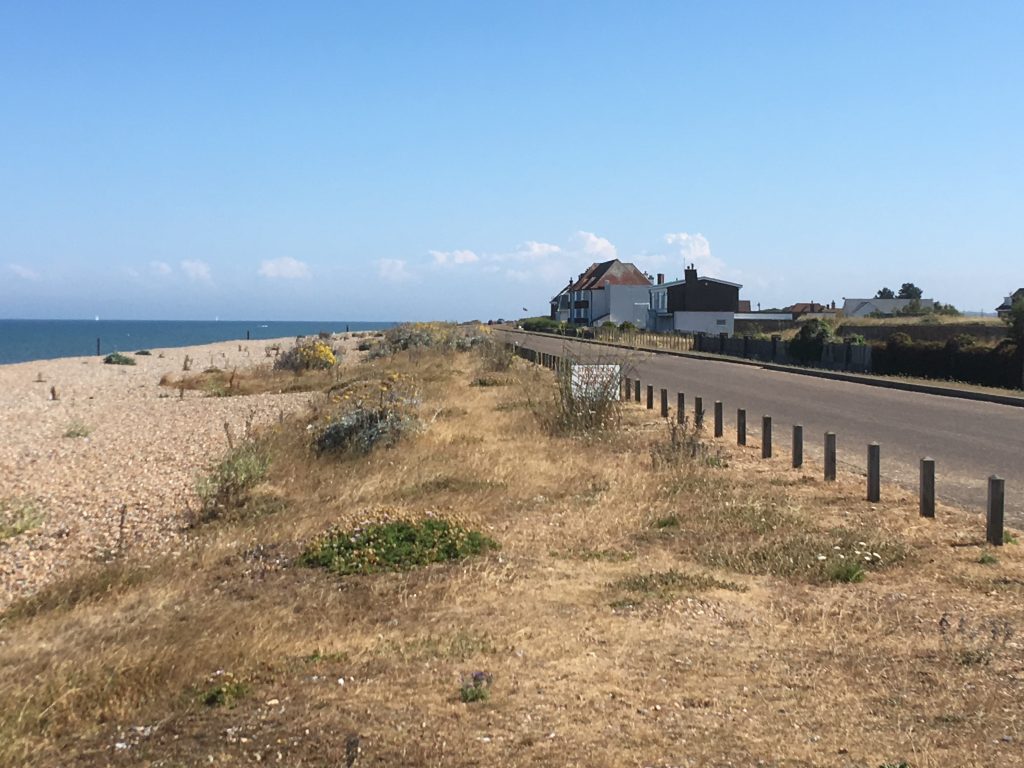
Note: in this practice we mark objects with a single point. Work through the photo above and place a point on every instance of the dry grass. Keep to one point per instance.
(648, 613)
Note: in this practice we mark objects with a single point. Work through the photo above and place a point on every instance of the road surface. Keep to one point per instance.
(969, 440)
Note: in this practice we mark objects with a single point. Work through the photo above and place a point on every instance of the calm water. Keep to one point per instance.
(22, 340)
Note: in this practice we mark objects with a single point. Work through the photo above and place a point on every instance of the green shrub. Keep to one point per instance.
(18, 517)
(306, 355)
(579, 410)
(144, 352)
(116, 358)
(225, 488)
(476, 687)
(393, 546)
(810, 341)
(362, 428)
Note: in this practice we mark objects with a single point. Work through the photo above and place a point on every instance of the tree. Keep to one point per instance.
(1015, 321)
(910, 291)
(885, 293)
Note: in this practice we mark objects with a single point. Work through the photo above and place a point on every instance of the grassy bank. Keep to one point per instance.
(438, 565)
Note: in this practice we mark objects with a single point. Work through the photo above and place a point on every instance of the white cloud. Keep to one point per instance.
(596, 246)
(696, 250)
(23, 272)
(451, 258)
(285, 267)
(197, 271)
(161, 268)
(531, 249)
(393, 270)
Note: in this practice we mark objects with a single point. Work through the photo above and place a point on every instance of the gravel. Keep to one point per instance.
(143, 451)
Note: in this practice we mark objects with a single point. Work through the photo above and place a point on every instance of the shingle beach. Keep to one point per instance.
(143, 451)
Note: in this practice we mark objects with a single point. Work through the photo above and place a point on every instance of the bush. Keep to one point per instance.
(361, 429)
(144, 352)
(116, 358)
(810, 341)
(307, 354)
(395, 545)
(225, 488)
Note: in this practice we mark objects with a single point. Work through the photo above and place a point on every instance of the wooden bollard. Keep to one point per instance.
(994, 513)
(830, 455)
(766, 437)
(97, 346)
(927, 491)
(874, 472)
(741, 426)
(719, 419)
(664, 403)
(798, 446)
(636, 389)
(698, 413)
(680, 407)
(650, 397)
(629, 387)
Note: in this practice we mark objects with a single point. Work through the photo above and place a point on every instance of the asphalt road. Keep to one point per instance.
(969, 440)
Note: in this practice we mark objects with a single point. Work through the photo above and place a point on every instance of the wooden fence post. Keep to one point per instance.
(664, 403)
(830, 455)
(874, 472)
(798, 446)
(741, 426)
(719, 420)
(680, 407)
(636, 389)
(766, 437)
(650, 397)
(994, 515)
(927, 490)
(698, 413)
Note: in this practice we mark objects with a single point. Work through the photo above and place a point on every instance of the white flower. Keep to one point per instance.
(821, 557)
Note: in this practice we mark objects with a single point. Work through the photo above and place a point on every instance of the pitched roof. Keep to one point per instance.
(1009, 300)
(613, 272)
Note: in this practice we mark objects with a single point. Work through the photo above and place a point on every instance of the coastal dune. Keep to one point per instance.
(111, 464)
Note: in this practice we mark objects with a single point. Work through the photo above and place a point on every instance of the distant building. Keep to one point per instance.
(1003, 310)
(609, 291)
(868, 307)
(694, 304)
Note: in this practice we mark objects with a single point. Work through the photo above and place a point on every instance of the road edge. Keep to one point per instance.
(867, 380)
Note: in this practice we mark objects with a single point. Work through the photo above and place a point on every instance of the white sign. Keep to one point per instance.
(595, 382)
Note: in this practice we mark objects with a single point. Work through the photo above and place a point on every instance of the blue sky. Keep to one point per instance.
(385, 160)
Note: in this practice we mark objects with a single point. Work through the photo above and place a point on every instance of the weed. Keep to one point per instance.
(307, 355)
(225, 488)
(361, 429)
(901, 764)
(670, 521)
(845, 571)
(974, 643)
(225, 693)
(489, 381)
(18, 517)
(476, 687)
(496, 356)
(987, 558)
(586, 400)
(667, 585)
(392, 546)
(77, 429)
(116, 358)
(1009, 538)
(683, 446)
(144, 352)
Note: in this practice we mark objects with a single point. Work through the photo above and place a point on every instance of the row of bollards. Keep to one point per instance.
(996, 497)
(996, 486)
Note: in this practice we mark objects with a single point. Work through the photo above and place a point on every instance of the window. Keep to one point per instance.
(719, 322)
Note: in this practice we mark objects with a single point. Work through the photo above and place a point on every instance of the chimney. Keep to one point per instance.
(661, 278)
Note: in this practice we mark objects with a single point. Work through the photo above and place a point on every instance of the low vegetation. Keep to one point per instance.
(117, 358)
(18, 516)
(656, 599)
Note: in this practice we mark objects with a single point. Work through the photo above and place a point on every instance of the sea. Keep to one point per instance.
(24, 340)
